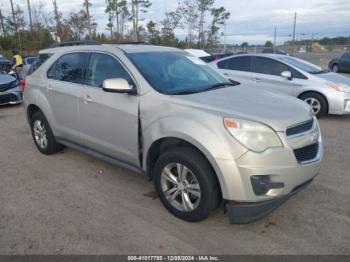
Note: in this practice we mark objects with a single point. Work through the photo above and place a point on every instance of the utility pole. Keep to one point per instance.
(30, 16)
(295, 24)
(225, 38)
(2, 24)
(274, 41)
(16, 26)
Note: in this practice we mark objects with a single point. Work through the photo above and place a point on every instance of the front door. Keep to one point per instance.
(109, 121)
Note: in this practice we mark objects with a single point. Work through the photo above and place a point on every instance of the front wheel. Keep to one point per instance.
(335, 68)
(317, 102)
(186, 184)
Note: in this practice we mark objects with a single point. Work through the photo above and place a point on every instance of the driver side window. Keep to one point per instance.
(102, 67)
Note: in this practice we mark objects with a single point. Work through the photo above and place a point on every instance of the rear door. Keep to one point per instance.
(64, 88)
(109, 121)
(345, 62)
(237, 68)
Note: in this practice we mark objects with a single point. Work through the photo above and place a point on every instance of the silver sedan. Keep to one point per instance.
(326, 92)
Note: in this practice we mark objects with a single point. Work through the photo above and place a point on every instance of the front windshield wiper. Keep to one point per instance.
(217, 86)
(212, 87)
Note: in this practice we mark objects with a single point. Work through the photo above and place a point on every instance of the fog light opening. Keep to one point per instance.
(262, 184)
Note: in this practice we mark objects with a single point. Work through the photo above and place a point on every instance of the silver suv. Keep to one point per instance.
(161, 112)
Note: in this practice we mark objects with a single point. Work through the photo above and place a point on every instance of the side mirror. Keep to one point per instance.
(118, 85)
(287, 75)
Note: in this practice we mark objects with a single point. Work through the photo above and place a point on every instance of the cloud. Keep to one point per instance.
(253, 21)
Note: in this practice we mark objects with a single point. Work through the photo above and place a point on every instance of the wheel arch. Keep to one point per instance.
(166, 143)
(315, 92)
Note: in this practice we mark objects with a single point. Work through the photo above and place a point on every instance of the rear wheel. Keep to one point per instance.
(42, 134)
(317, 102)
(335, 68)
(186, 184)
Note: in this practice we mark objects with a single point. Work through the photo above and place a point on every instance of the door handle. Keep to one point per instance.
(226, 74)
(49, 87)
(87, 99)
(257, 80)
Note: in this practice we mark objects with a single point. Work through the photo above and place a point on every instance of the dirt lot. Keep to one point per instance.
(71, 203)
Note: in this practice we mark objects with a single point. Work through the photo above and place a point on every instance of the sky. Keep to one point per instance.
(253, 21)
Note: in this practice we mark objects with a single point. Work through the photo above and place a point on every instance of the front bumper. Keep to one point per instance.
(11, 97)
(339, 103)
(244, 213)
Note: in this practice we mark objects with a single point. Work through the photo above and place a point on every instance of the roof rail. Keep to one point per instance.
(72, 43)
(133, 43)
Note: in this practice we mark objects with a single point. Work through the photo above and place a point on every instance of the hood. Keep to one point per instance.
(245, 102)
(6, 79)
(334, 78)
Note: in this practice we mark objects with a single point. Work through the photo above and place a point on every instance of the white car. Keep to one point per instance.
(324, 91)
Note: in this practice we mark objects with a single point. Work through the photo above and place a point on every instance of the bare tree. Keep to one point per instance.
(203, 7)
(15, 24)
(87, 5)
(189, 11)
(2, 24)
(118, 11)
(219, 17)
(77, 25)
(30, 16)
(57, 16)
(138, 6)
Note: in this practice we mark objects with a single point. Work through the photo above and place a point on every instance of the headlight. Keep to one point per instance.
(339, 87)
(253, 135)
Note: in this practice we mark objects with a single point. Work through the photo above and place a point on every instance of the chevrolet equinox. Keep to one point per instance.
(159, 111)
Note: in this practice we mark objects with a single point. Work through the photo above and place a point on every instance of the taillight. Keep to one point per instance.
(23, 85)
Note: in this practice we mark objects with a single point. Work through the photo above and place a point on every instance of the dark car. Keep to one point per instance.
(10, 90)
(277, 51)
(215, 57)
(340, 64)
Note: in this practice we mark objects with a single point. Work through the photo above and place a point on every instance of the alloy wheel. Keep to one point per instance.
(40, 134)
(180, 187)
(314, 103)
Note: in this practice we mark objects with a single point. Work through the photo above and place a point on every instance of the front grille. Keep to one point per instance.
(8, 86)
(306, 153)
(301, 128)
(5, 99)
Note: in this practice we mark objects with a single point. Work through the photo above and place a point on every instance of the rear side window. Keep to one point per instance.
(38, 61)
(241, 63)
(268, 66)
(69, 68)
(102, 67)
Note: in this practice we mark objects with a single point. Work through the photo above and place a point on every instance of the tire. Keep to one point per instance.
(335, 68)
(199, 177)
(317, 102)
(42, 134)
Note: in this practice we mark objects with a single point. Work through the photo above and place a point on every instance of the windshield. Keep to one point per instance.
(177, 73)
(303, 65)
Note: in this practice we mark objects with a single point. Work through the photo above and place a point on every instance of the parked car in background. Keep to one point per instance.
(162, 112)
(276, 50)
(197, 52)
(3, 59)
(324, 91)
(215, 57)
(10, 90)
(340, 64)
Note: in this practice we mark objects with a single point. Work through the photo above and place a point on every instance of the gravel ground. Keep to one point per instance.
(71, 203)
